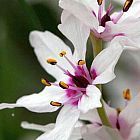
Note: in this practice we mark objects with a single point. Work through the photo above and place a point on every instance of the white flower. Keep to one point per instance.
(106, 23)
(75, 87)
(126, 122)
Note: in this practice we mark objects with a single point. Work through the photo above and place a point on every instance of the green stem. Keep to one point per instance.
(97, 48)
(97, 44)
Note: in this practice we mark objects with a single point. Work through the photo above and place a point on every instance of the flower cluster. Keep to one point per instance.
(76, 89)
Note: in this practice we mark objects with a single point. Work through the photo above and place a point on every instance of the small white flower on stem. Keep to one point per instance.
(106, 24)
(75, 87)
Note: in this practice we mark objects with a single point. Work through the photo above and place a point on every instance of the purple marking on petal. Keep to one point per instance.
(93, 73)
(125, 128)
(113, 120)
(94, 13)
(120, 124)
(78, 81)
(119, 34)
(80, 71)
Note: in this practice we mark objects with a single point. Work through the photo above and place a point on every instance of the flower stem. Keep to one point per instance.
(97, 44)
(97, 48)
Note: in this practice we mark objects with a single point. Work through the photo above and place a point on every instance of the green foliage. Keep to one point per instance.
(20, 72)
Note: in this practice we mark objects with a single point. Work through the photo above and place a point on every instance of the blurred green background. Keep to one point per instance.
(20, 72)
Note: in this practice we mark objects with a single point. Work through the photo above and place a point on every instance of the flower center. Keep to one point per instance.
(106, 17)
(77, 82)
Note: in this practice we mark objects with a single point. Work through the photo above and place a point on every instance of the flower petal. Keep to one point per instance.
(129, 115)
(65, 123)
(128, 29)
(101, 133)
(135, 131)
(105, 62)
(65, 14)
(39, 102)
(77, 33)
(47, 45)
(93, 117)
(90, 100)
(76, 133)
(91, 4)
(42, 128)
(76, 9)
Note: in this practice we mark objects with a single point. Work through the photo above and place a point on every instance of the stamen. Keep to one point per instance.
(127, 95)
(100, 11)
(117, 18)
(99, 2)
(110, 9)
(127, 5)
(63, 85)
(45, 82)
(63, 53)
(77, 88)
(57, 104)
(70, 62)
(118, 111)
(81, 62)
(61, 68)
(51, 61)
(87, 73)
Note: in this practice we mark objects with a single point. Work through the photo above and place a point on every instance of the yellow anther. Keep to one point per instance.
(63, 85)
(52, 61)
(45, 82)
(81, 62)
(63, 53)
(127, 94)
(99, 2)
(55, 104)
(127, 5)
